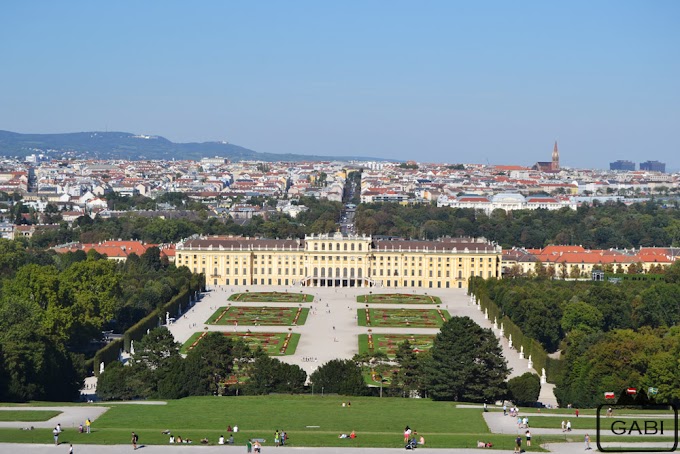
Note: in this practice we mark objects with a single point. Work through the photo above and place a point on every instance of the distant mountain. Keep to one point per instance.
(124, 145)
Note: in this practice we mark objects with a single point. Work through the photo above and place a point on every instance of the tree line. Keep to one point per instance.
(610, 335)
(54, 307)
(596, 226)
(322, 216)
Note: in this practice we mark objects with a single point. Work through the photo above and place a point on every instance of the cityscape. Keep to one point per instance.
(339, 227)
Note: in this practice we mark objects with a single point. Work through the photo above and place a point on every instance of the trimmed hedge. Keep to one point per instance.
(553, 367)
(107, 354)
(156, 318)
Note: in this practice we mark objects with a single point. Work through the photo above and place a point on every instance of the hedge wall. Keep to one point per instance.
(107, 354)
(540, 358)
(156, 318)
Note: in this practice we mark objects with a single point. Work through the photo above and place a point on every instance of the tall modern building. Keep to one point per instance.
(622, 165)
(653, 166)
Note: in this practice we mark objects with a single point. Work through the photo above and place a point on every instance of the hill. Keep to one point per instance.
(124, 145)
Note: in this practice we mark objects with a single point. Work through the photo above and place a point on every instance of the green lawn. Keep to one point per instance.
(271, 343)
(398, 298)
(259, 316)
(402, 318)
(377, 422)
(272, 297)
(554, 422)
(27, 415)
(388, 343)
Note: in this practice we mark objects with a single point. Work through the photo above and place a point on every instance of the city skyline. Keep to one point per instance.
(442, 82)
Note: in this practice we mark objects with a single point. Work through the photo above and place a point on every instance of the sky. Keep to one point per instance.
(433, 81)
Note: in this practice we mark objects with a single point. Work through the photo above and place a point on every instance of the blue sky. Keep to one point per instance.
(438, 81)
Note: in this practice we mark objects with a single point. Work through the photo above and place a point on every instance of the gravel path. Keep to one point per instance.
(70, 417)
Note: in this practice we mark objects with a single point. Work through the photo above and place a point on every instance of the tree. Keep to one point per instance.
(271, 375)
(209, 364)
(340, 376)
(583, 316)
(409, 376)
(117, 383)
(524, 390)
(467, 363)
(153, 358)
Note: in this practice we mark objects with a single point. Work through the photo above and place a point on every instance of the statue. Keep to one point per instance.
(132, 348)
(531, 363)
(167, 318)
(544, 379)
(502, 330)
(521, 352)
(510, 341)
(486, 314)
(495, 323)
(101, 367)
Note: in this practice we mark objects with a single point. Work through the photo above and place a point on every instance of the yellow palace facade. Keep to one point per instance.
(338, 260)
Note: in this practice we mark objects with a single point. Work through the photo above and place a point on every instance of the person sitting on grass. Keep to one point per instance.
(204, 441)
(220, 441)
(352, 435)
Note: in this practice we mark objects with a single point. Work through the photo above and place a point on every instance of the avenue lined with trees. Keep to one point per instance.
(53, 309)
(610, 335)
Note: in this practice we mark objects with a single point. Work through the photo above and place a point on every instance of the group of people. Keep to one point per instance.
(566, 426)
(280, 438)
(178, 439)
(352, 435)
(411, 439)
(222, 441)
(253, 445)
(522, 423)
(87, 427)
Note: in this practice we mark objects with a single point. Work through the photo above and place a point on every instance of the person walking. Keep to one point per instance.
(134, 440)
(586, 440)
(55, 433)
(518, 444)
(70, 449)
(528, 435)
(88, 423)
(249, 446)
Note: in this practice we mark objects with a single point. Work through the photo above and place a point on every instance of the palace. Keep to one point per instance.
(337, 260)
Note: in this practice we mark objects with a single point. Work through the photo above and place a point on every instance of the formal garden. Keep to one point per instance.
(402, 318)
(273, 344)
(398, 298)
(259, 316)
(388, 344)
(272, 297)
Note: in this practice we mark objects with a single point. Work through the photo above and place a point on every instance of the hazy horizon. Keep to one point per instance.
(479, 82)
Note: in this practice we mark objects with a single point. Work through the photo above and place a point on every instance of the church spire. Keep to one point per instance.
(555, 158)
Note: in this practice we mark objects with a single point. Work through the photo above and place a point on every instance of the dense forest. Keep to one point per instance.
(597, 226)
(610, 335)
(53, 309)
